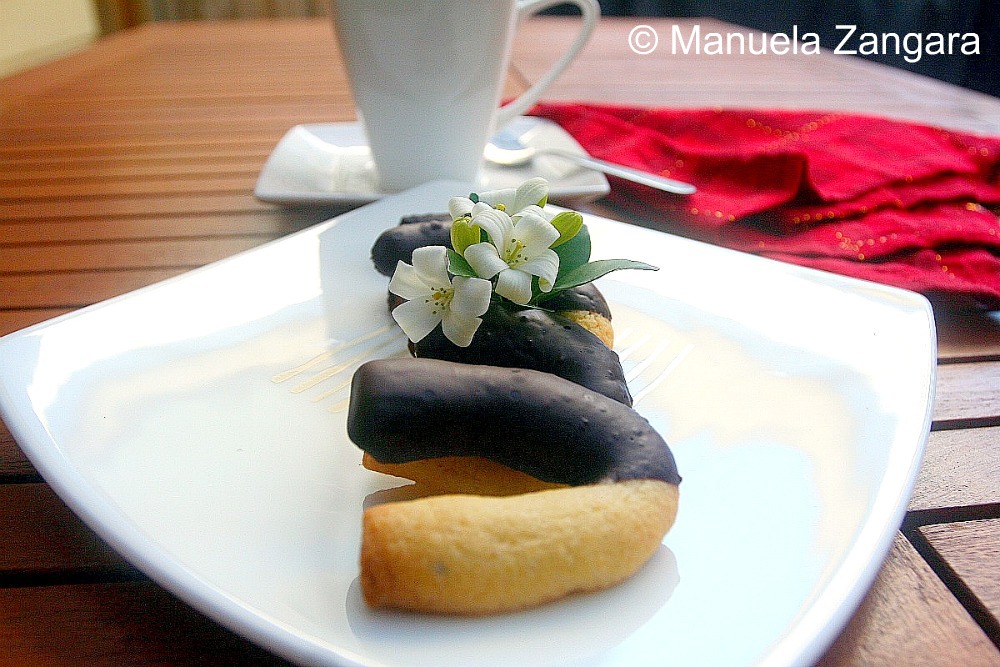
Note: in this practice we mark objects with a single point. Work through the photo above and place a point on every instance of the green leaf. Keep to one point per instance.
(459, 266)
(569, 224)
(574, 253)
(593, 270)
(463, 234)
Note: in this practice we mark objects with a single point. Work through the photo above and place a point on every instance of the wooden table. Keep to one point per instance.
(135, 161)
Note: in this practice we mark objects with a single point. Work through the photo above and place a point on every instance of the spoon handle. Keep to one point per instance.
(612, 169)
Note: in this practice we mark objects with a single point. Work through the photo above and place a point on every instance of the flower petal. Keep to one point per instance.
(459, 206)
(515, 285)
(532, 192)
(496, 198)
(459, 328)
(407, 283)
(472, 296)
(535, 234)
(484, 259)
(416, 318)
(533, 210)
(431, 262)
(545, 266)
(496, 224)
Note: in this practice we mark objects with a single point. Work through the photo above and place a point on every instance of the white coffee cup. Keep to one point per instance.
(428, 75)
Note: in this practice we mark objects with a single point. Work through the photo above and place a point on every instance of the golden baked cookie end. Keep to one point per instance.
(475, 555)
(461, 474)
(593, 322)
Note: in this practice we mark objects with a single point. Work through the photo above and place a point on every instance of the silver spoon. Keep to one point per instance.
(506, 149)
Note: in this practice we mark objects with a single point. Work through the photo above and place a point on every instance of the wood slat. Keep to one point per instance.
(967, 394)
(968, 336)
(117, 255)
(41, 535)
(153, 47)
(260, 223)
(13, 463)
(95, 171)
(86, 148)
(99, 112)
(102, 188)
(138, 206)
(75, 289)
(971, 549)
(961, 469)
(910, 618)
(205, 129)
(15, 319)
(132, 623)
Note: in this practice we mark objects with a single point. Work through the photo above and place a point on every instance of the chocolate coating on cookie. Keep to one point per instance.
(399, 242)
(443, 216)
(538, 340)
(552, 429)
(582, 297)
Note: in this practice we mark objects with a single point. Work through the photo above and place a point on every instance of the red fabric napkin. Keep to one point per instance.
(874, 198)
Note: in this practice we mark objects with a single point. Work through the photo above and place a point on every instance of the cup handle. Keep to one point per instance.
(590, 12)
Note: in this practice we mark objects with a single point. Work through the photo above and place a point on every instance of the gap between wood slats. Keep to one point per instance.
(908, 617)
(41, 536)
(14, 465)
(922, 539)
(967, 395)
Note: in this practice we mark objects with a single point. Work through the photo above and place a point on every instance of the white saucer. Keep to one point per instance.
(329, 163)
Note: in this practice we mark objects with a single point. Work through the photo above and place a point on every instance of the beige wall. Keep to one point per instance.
(34, 31)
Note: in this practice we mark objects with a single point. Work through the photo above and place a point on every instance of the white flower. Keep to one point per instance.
(528, 197)
(517, 250)
(434, 297)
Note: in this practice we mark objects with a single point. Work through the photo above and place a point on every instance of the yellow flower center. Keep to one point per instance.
(440, 299)
(515, 256)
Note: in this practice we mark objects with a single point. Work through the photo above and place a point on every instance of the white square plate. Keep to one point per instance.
(198, 426)
(330, 164)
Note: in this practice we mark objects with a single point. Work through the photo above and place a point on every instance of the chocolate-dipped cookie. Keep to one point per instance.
(538, 423)
(539, 340)
(398, 243)
(471, 554)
